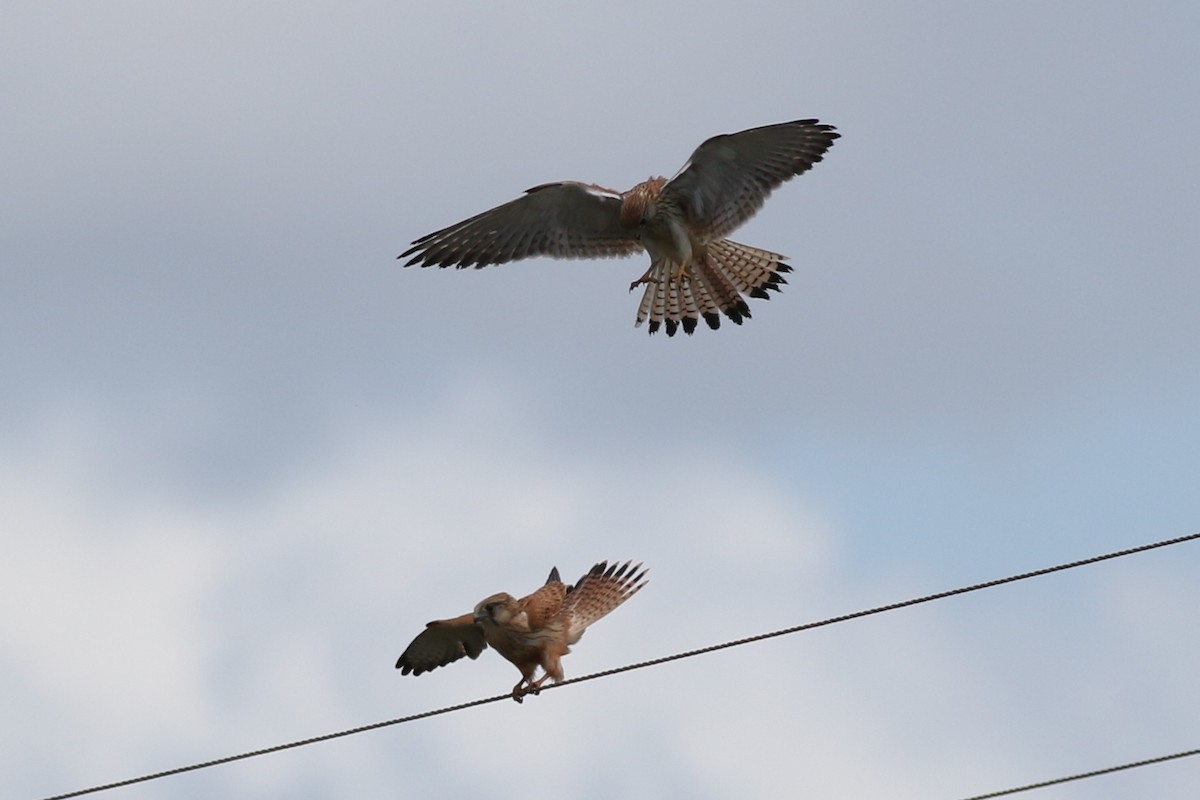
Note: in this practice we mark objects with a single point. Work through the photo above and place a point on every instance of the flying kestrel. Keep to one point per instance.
(535, 631)
(695, 272)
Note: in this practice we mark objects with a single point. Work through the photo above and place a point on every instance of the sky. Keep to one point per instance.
(245, 455)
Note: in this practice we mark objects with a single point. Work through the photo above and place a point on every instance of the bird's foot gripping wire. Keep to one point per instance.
(525, 687)
(521, 689)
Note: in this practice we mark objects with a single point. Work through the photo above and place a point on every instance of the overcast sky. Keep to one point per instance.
(245, 455)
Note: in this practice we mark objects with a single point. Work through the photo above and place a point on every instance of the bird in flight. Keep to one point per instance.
(695, 271)
(535, 631)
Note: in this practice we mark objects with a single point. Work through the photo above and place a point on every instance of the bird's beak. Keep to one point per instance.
(480, 616)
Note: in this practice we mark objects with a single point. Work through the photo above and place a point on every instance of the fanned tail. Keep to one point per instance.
(717, 283)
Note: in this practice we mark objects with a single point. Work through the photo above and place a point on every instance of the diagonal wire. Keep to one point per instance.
(1083, 775)
(879, 609)
(639, 665)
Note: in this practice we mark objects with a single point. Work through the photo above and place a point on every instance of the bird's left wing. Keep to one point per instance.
(560, 220)
(599, 592)
(443, 642)
(729, 177)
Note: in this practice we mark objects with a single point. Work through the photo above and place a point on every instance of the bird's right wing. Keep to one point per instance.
(443, 642)
(560, 220)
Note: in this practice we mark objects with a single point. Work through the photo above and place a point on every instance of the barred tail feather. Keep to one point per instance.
(674, 312)
(654, 304)
(706, 302)
(667, 303)
(752, 270)
(724, 295)
(717, 283)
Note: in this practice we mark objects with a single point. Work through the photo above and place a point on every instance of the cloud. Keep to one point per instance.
(152, 633)
(245, 455)
(175, 624)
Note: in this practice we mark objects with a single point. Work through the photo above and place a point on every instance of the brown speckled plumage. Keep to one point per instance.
(695, 272)
(535, 631)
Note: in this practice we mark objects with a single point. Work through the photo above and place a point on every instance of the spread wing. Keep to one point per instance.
(443, 642)
(598, 593)
(729, 177)
(561, 220)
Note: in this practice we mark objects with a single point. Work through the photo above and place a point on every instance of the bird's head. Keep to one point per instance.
(496, 610)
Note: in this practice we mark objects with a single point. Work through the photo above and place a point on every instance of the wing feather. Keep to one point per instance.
(442, 642)
(560, 220)
(729, 177)
(598, 593)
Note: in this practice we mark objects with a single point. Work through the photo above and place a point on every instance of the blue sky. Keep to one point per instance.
(245, 456)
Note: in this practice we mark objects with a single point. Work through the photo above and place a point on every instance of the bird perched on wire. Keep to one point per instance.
(535, 631)
(695, 271)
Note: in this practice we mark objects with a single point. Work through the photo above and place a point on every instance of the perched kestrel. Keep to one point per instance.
(535, 631)
(682, 223)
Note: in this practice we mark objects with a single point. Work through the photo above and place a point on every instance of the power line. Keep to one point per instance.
(879, 609)
(641, 664)
(1083, 775)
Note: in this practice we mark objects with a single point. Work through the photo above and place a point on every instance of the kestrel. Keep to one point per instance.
(695, 272)
(535, 631)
